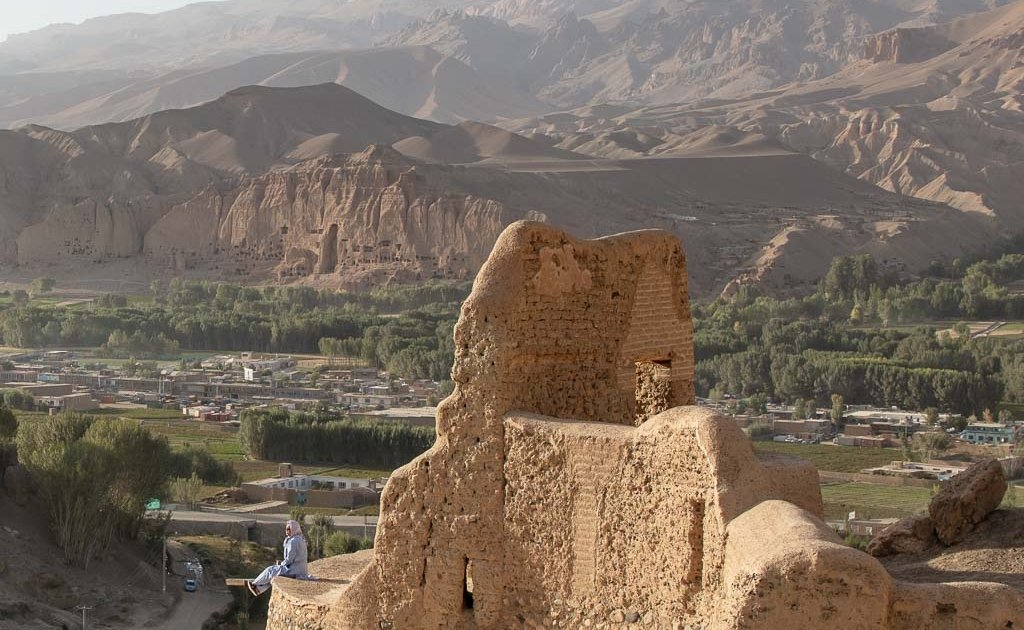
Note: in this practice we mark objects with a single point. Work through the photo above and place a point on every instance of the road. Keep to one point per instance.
(266, 529)
(235, 517)
(988, 330)
(193, 608)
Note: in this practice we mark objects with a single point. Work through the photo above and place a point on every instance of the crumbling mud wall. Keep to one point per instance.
(555, 326)
(612, 523)
(573, 483)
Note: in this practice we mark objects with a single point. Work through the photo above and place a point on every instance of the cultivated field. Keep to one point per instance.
(873, 501)
(849, 459)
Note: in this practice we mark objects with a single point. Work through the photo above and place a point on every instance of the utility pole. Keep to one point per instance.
(83, 609)
(163, 564)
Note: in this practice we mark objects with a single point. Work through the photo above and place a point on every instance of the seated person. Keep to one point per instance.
(293, 565)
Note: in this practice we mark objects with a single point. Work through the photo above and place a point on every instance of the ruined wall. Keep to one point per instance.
(549, 329)
(613, 523)
(554, 497)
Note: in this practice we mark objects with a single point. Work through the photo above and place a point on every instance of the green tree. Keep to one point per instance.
(8, 424)
(187, 490)
(757, 404)
(960, 423)
(95, 475)
(42, 286)
(838, 407)
(19, 297)
(340, 543)
(18, 399)
(759, 431)
(857, 314)
(319, 530)
(930, 444)
(931, 416)
(799, 409)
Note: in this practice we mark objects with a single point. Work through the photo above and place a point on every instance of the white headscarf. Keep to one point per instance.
(296, 528)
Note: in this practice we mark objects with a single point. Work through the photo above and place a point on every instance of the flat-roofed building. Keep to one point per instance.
(989, 433)
(44, 389)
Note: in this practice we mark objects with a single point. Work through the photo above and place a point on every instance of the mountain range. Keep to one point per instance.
(347, 144)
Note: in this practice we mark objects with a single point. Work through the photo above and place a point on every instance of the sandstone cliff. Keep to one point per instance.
(371, 213)
(906, 45)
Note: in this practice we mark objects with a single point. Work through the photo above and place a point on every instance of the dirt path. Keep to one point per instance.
(193, 608)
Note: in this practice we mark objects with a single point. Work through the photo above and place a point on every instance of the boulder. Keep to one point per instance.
(913, 534)
(966, 500)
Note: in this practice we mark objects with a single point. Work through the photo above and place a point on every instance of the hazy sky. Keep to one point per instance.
(18, 16)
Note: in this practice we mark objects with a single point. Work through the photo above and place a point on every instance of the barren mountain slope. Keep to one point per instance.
(568, 53)
(278, 183)
(933, 112)
(661, 51)
(213, 33)
(38, 591)
(420, 82)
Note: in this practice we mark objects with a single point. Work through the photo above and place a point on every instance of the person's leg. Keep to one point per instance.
(262, 581)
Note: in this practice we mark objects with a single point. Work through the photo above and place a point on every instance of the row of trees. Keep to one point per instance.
(405, 330)
(818, 376)
(979, 290)
(274, 434)
(812, 348)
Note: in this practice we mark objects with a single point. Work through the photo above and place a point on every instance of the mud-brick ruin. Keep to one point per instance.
(573, 483)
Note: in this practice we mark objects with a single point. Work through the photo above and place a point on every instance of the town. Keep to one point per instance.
(216, 388)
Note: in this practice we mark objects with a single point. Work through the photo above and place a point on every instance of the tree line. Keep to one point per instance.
(406, 330)
(97, 473)
(327, 437)
(839, 340)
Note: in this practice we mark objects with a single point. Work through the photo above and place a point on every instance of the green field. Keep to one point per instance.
(873, 500)
(879, 501)
(139, 413)
(850, 459)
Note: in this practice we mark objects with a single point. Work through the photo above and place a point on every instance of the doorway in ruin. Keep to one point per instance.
(653, 388)
(329, 250)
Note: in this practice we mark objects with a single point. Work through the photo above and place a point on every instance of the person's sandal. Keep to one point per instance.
(252, 589)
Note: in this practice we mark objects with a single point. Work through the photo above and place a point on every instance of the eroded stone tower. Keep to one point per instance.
(574, 485)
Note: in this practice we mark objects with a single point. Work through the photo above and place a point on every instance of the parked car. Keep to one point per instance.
(190, 585)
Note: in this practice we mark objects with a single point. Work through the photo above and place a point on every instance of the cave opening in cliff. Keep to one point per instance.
(329, 250)
(467, 585)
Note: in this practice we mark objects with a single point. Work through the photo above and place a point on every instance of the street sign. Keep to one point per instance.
(153, 504)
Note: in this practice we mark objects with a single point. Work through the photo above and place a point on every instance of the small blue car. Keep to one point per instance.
(190, 585)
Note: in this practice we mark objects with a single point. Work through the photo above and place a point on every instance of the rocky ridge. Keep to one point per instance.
(574, 54)
(278, 183)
